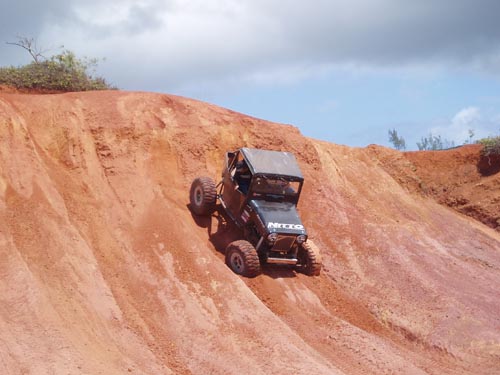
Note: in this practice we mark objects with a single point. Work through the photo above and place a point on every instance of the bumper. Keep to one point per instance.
(282, 261)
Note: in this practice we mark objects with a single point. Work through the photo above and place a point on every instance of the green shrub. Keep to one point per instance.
(62, 72)
(434, 142)
(491, 146)
(398, 141)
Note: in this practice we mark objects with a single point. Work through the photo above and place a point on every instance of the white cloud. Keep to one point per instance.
(466, 118)
(180, 45)
(458, 128)
(187, 41)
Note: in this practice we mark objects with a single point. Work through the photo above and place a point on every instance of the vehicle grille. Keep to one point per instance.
(283, 243)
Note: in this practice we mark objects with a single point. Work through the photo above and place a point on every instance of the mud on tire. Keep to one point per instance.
(309, 260)
(242, 258)
(203, 196)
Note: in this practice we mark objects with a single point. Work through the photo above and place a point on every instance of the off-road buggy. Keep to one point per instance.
(259, 192)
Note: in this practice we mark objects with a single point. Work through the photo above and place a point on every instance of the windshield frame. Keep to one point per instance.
(276, 187)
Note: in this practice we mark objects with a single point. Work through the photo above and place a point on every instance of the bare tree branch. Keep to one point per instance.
(30, 45)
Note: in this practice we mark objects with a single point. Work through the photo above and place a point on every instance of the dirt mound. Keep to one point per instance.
(104, 269)
(459, 178)
(8, 90)
(5, 89)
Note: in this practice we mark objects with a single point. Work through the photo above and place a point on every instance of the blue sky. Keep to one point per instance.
(359, 110)
(341, 71)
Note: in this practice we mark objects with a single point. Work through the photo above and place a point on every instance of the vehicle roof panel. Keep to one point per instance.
(271, 162)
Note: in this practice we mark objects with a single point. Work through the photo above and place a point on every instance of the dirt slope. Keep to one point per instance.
(103, 270)
(459, 178)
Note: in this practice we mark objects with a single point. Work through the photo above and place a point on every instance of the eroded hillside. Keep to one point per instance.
(103, 269)
(459, 178)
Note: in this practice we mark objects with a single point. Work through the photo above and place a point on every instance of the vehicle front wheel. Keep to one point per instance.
(203, 196)
(242, 258)
(309, 259)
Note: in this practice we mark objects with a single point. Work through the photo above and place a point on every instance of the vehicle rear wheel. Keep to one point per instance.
(242, 258)
(309, 259)
(203, 196)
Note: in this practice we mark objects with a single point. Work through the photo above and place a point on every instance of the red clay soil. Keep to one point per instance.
(5, 89)
(103, 269)
(459, 178)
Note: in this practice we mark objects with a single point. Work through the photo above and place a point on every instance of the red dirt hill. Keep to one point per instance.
(103, 269)
(459, 178)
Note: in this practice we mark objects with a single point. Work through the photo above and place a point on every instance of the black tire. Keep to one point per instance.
(309, 260)
(242, 258)
(203, 196)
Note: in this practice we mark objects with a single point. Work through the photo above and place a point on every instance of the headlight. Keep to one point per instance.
(272, 237)
(301, 238)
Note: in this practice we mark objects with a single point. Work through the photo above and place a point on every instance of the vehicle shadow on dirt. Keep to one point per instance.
(222, 231)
